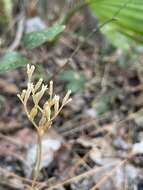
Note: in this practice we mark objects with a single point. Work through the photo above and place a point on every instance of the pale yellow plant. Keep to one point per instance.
(48, 112)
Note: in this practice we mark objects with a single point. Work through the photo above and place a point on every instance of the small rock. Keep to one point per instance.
(49, 147)
(119, 143)
(34, 24)
(91, 113)
(137, 148)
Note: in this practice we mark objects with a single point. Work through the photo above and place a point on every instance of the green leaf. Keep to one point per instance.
(71, 75)
(129, 15)
(35, 39)
(75, 80)
(103, 105)
(117, 38)
(12, 60)
(8, 6)
(75, 86)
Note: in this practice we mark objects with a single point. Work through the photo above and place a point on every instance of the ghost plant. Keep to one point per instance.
(47, 112)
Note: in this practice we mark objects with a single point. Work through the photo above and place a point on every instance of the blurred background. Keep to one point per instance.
(94, 48)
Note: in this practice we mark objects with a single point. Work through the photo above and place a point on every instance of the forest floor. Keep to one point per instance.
(96, 142)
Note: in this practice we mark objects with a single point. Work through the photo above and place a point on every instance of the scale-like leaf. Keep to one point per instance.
(35, 39)
(12, 60)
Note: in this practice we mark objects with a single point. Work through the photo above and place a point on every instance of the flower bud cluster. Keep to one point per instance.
(51, 107)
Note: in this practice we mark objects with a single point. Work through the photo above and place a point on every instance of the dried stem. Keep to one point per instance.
(36, 169)
(37, 91)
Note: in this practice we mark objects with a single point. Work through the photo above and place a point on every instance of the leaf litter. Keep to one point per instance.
(95, 134)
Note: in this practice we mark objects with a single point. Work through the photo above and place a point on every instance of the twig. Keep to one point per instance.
(105, 78)
(18, 157)
(8, 173)
(13, 141)
(97, 29)
(11, 186)
(72, 12)
(19, 33)
(77, 178)
(23, 179)
(105, 178)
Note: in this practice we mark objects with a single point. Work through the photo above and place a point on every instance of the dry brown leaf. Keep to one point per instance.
(8, 87)
(9, 126)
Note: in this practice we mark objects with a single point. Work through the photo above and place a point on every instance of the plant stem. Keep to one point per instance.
(38, 160)
(72, 12)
